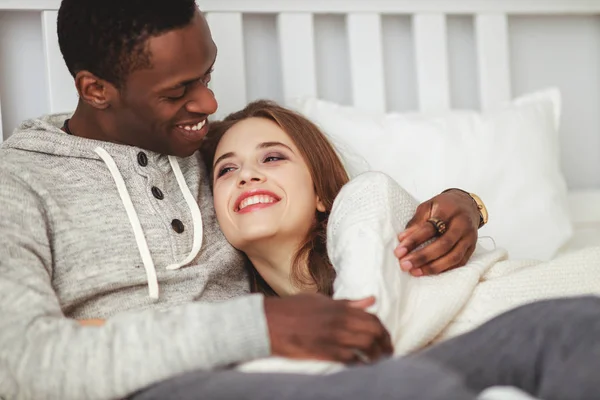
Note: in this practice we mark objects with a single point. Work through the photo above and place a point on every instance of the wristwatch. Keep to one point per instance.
(483, 212)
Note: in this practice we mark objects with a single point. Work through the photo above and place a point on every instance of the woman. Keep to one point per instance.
(286, 241)
(278, 183)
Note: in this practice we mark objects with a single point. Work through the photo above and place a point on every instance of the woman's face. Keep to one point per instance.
(262, 186)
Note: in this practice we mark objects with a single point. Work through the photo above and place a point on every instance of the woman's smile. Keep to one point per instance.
(254, 200)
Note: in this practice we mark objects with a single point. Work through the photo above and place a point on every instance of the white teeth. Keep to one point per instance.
(262, 199)
(196, 127)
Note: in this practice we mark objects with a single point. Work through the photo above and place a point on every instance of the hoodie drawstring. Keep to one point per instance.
(137, 227)
(194, 210)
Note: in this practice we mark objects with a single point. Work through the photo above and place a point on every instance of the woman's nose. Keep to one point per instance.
(250, 175)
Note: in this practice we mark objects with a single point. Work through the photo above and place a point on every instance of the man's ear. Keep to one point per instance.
(94, 91)
(320, 206)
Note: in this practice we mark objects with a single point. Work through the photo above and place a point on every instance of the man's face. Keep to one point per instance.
(165, 108)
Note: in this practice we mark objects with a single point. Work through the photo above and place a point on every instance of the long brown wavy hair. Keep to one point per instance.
(328, 176)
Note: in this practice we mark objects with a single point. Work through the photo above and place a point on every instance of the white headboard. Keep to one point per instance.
(364, 32)
(298, 64)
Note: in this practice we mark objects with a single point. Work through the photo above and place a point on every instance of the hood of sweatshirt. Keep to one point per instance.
(45, 135)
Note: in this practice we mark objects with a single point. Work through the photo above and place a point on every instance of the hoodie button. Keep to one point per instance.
(177, 226)
(156, 192)
(142, 159)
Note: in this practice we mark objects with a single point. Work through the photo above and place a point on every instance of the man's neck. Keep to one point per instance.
(273, 261)
(86, 123)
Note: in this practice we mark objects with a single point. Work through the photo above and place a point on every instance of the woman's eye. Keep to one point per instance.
(274, 157)
(223, 171)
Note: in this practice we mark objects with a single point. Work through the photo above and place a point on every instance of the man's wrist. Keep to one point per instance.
(479, 205)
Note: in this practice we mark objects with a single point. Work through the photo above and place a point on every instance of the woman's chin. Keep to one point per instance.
(255, 238)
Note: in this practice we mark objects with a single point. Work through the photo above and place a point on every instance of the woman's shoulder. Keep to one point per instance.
(372, 177)
(373, 187)
(371, 196)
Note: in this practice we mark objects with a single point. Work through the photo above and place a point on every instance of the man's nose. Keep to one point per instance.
(202, 102)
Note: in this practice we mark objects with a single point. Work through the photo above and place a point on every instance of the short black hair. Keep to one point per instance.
(108, 37)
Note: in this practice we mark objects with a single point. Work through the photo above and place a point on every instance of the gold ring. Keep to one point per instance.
(439, 225)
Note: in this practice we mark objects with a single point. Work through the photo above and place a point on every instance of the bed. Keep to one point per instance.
(417, 60)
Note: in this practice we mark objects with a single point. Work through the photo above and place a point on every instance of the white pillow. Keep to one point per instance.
(509, 156)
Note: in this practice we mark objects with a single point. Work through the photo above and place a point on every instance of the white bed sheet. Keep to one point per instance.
(584, 235)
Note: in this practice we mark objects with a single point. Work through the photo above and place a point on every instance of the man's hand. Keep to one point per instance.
(452, 249)
(313, 326)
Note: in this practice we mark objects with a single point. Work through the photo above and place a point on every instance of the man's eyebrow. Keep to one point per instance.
(190, 81)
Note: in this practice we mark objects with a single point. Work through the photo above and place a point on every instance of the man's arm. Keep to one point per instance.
(47, 355)
(44, 355)
(462, 218)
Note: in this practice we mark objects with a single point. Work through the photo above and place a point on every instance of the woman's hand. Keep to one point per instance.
(451, 249)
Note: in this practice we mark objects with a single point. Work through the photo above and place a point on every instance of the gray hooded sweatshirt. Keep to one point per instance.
(92, 229)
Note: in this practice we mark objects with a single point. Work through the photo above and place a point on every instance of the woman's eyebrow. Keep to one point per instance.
(223, 157)
(266, 145)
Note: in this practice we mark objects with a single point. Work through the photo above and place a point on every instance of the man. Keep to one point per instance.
(107, 213)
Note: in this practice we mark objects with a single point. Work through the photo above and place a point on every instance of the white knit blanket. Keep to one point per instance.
(362, 233)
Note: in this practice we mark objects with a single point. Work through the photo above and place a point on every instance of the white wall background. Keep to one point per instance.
(560, 51)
